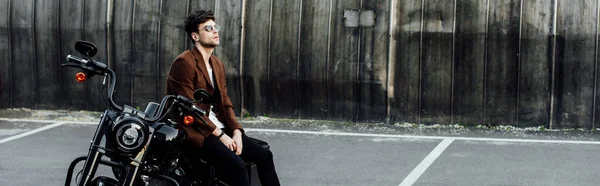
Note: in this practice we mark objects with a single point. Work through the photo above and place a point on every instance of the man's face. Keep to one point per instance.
(208, 34)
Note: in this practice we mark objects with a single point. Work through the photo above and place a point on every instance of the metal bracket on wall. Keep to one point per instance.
(359, 18)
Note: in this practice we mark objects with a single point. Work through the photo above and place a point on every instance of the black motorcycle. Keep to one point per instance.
(142, 147)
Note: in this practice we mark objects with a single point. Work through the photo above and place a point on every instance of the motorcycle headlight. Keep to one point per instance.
(130, 134)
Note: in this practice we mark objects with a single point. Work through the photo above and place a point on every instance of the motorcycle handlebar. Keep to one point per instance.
(78, 60)
(103, 69)
(193, 108)
(182, 102)
(91, 66)
(97, 66)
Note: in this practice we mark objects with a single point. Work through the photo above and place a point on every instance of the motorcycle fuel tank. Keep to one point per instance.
(167, 141)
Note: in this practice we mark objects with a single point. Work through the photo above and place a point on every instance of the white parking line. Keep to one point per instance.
(48, 121)
(509, 140)
(31, 132)
(420, 169)
(422, 137)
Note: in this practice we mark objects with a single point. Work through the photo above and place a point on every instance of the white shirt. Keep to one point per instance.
(213, 116)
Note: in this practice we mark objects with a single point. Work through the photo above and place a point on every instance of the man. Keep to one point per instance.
(221, 141)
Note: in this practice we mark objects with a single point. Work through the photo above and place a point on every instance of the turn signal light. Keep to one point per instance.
(188, 120)
(80, 76)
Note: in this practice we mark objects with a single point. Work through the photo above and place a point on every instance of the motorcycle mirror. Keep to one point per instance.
(202, 96)
(86, 48)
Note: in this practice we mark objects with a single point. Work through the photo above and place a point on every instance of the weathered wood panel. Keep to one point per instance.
(343, 68)
(94, 25)
(406, 71)
(73, 94)
(283, 63)
(5, 52)
(201, 5)
(172, 38)
(145, 53)
(256, 57)
(314, 59)
(228, 14)
(24, 87)
(535, 64)
(47, 54)
(575, 47)
(502, 62)
(436, 62)
(122, 55)
(469, 57)
(373, 64)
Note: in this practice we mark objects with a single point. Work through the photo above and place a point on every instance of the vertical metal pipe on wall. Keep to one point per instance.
(595, 66)
(519, 64)
(58, 35)
(453, 62)
(420, 61)
(109, 34)
(485, 54)
(60, 51)
(8, 28)
(34, 58)
(358, 66)
(327, 60)
(269, 48)
(298, 58)
(241, 59)
(390, 58)
(132, 57)
(553, 74)
(158, 64)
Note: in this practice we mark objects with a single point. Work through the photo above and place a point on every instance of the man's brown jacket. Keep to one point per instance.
(188, 73)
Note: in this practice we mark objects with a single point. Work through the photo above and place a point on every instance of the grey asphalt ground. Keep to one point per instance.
(336, 153)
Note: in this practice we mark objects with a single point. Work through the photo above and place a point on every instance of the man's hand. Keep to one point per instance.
(228, 142)
(237, 139)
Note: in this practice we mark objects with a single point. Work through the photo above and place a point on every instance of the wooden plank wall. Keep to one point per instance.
(314, 59)
(469, 54)
(436, 61)
(373, 66)
(23, 81)
(501, 62)
(122, 54)
(283, 59)
(343, 65)
(535, 63)
(406, 72)
(256, 57)
(575, 63)
(229, 14)
(73, 95)
(146, 21)
(47, 53)
(5, 55)
(95, 30)
(173, 38)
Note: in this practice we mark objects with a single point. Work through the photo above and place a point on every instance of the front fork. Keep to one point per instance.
(93, 157)
(134, 166)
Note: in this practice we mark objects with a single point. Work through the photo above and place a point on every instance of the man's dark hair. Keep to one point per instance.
(196, 18)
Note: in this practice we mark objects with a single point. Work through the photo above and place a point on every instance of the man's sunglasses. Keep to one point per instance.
(210, 28)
